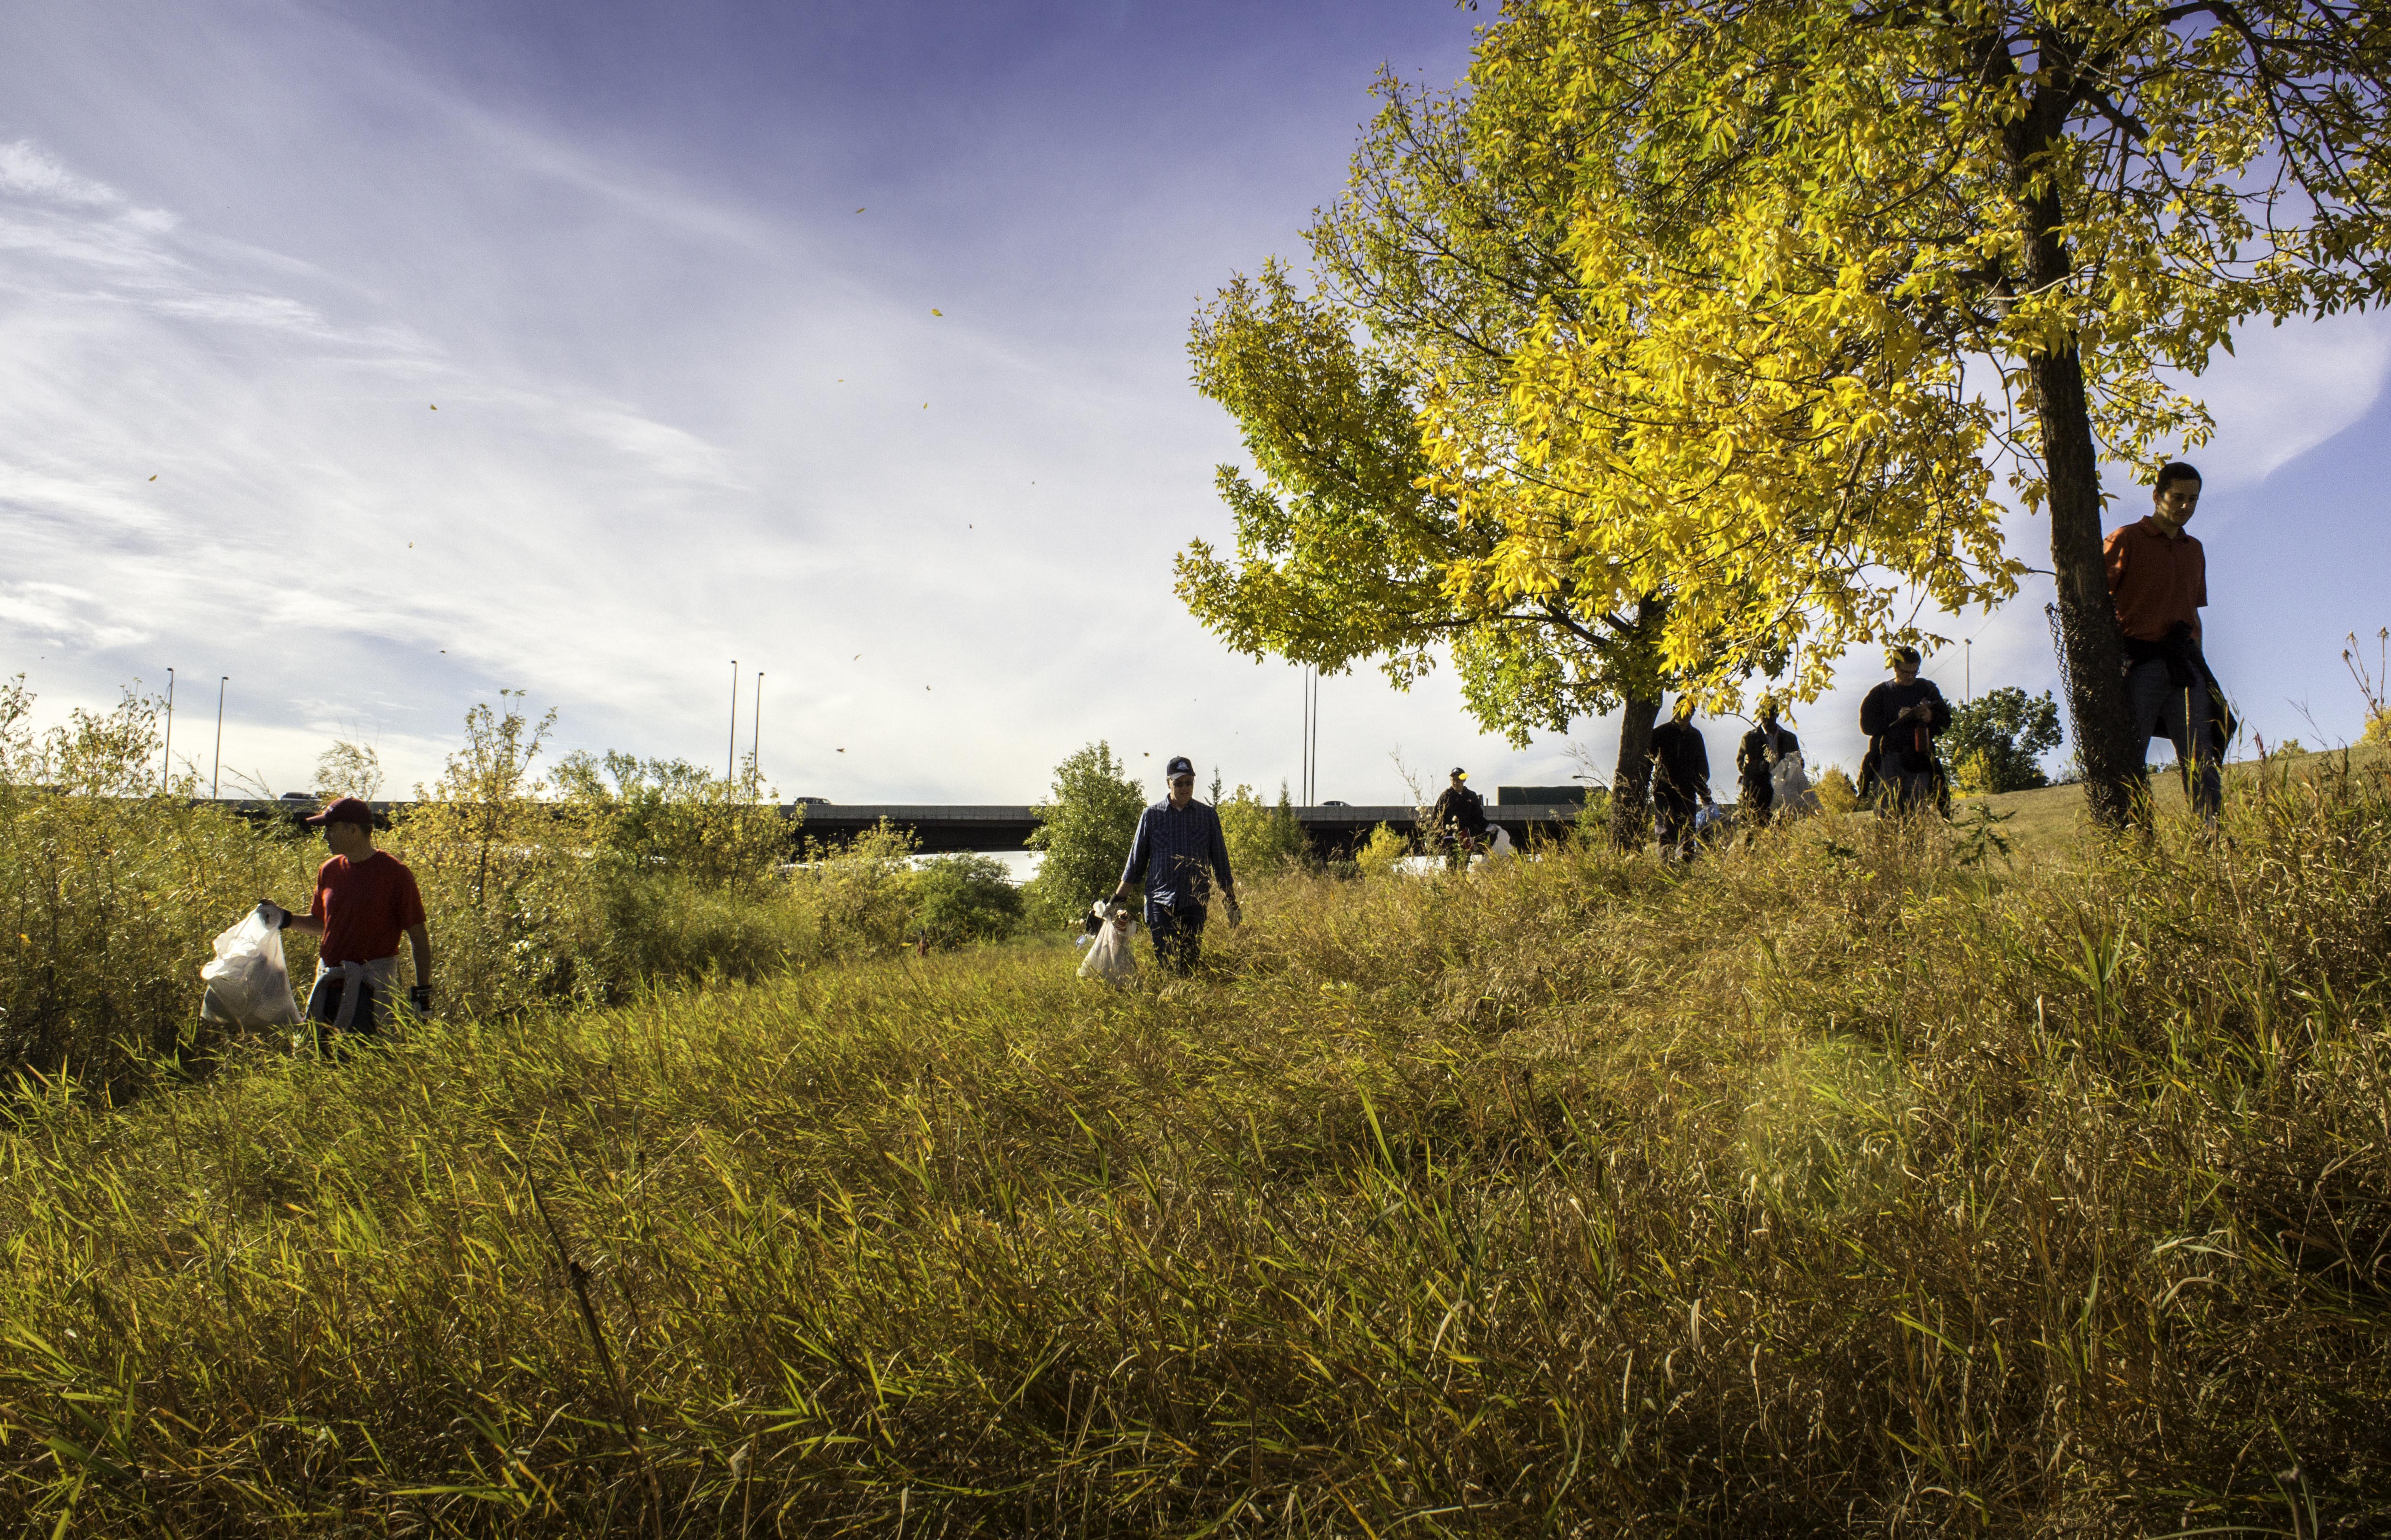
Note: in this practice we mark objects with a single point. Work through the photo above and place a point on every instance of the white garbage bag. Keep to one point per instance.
(1109, 956)
(1791, 780)
(248, 986)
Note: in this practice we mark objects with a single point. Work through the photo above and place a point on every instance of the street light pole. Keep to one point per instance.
(166, 775)
(215, 781)
(756, 745)
(731, 755)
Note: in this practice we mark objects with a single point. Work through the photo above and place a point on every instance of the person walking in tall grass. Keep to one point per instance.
(366, 900)
(1459, 819)
(1681, 781)
(2158, 581)
(1902, 717)
(1177, 854)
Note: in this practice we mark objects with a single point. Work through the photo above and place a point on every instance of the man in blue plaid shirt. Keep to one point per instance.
(1178, 853)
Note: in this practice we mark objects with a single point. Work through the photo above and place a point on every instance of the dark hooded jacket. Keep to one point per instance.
(1681, 764)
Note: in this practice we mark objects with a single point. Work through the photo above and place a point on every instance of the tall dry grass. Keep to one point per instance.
(1837, 1186)
(592, 885)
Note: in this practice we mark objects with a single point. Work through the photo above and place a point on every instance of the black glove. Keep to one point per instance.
(419, 996)
(276, 914)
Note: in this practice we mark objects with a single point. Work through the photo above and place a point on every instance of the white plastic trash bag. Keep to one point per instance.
(1109, 956)
(1499, 847)
(1793, 796)
(248, 986)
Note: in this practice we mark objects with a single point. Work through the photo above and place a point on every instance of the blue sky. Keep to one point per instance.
(693, 405)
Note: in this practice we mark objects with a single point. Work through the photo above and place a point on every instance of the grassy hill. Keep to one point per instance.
(1865, 1183)
(2052, 817)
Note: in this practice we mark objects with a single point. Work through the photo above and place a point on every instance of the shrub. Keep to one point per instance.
(1378, 857)
(110, 892)
(861, 893)
(1263, 840)
(964, 898)
(1836, 792)
(1086, 826)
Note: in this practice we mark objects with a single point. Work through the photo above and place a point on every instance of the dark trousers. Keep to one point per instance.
(1178, 931)
(1676, 816)
(2163, 708)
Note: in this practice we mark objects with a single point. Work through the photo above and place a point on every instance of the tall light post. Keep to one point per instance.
(166, 773)
(216, 780)
(755, 746)
(1309, 776)
(731, 755)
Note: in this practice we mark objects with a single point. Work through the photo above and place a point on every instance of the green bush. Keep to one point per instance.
(1263, 840)
(1086, 826)
(112, 891)
(964, 898)
(1995, 742)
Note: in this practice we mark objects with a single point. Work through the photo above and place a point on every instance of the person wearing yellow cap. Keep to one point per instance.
(1459, 817)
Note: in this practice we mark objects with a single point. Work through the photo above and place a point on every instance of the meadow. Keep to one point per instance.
(1866, 1179)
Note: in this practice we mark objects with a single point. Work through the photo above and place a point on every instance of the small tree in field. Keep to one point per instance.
(348, 769)
(1996, 741)
(1085, 826)
(1262, 839)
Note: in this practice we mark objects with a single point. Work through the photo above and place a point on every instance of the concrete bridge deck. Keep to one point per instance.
(940, 828)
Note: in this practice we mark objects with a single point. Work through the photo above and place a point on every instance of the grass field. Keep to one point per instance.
(1858, 1182)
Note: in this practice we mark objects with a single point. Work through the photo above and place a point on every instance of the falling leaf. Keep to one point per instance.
(856, 657)
(436, 408)
(935, 311)
(842, 750)
(411, 544)
(153, 477)
(925, 406)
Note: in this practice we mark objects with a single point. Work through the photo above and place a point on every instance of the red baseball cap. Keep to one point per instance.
(342, 810)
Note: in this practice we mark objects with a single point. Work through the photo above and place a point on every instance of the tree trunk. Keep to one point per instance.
(1631, 804)
(2087, 624)
(1631, 780)
(2090, 656)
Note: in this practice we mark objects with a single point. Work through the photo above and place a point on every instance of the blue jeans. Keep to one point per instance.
(2161, 709)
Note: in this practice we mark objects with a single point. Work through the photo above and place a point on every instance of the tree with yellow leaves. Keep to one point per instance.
(1903, 248)
(1345, 548)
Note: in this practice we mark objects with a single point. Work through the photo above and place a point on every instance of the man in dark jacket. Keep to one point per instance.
(1755, 765)
(1681, 780)
(1901, 718)
(1459, 816)
(1178, 851)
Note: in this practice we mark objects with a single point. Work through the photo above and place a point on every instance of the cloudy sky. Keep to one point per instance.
(385, 357)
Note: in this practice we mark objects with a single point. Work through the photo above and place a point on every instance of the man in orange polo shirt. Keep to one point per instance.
(2158, 580)
(364, 900)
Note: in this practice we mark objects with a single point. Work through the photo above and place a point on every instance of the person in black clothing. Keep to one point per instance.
(1681, 780)
(1460, 816)
(1755, 764)
(1901, 718)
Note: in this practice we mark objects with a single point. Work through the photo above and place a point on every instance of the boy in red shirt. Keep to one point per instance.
(365, 900)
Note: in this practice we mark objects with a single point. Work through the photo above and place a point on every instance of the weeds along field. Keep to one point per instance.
(1857, 1182)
